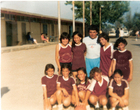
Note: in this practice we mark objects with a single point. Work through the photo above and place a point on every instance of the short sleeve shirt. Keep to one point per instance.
(66, 83)
(97, 88)
(119, 89)
(93, 48)
(106, 55)
(83, 86)
(50, 83)
(122, 62)
(78, 56)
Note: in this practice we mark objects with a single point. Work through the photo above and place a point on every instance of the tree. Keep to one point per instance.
(132, 23)
(111, 11)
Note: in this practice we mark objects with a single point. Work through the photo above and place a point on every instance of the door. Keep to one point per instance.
(9, 33)
(24, 39)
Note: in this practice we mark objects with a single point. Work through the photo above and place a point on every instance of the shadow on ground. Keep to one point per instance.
(4, 90)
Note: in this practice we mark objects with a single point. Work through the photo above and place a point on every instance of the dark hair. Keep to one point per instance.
(118, 41)
(64, 35)
(78, 81)
(28, 33)
(49, 66)
(46, 34)
(42, 33)
(93, 27)
(76, 33)
(66, 65)
(118, 71)
(92, 72)
(104, 35)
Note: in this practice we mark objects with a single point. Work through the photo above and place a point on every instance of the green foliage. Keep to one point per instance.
(111, 11)
(132, 23)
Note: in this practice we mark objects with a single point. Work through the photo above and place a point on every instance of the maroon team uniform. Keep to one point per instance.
(122, 62)
(106, 55)
(119, 89)
(66, 83)
(50, 83)
(97, 88)
(78, 56)
(82, 86)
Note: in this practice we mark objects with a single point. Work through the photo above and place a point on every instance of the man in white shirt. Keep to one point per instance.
(93, 49)
(121, 33)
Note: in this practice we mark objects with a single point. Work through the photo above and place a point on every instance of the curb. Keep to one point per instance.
(25, 47)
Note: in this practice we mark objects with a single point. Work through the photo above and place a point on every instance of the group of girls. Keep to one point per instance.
(111, 78)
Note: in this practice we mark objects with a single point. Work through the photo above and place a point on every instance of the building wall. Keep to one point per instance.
(35, 31)
(3, 33)
(34, 24)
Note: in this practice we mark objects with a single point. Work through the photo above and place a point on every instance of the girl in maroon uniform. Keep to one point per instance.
(118, 91)
(65, 85)
(63, 52)
(106, 54)
(78, 50)
(82, 83)
(122, 59)
(96, 93)
(49, 87)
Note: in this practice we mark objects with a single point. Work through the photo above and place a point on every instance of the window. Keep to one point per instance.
(22, 18)
(18, 18)
(7, 16)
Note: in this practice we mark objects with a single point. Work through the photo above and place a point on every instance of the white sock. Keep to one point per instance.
(60, 105)
(125, 108)
(97, 105)
(88, 107)
(113, 108)
(104, 106)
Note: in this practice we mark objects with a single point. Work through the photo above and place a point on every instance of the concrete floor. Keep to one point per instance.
(21, 73)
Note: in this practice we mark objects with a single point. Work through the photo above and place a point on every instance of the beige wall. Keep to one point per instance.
(19, 31)
(3, 33)
(35, 31)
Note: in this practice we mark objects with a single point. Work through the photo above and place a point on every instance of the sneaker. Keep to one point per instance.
(88, 107)
(54, 106)
(60, 107)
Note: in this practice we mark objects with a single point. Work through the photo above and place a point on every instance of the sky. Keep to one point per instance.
(50, 7)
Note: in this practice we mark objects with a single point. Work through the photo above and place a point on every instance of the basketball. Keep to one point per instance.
(80, 107)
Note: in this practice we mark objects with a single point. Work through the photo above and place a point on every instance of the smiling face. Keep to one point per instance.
(93, 34)
(77, 39)
(118, 78)
(65, 72)
(103, 41)
(65, 41)
(121, 46)
(97, 76)
(50, 72)
(81, 75)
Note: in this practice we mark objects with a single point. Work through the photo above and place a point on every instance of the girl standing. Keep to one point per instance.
(78, 50)
(119, 91)
(106, 54)
(63, 52)
(49, 87)
(122, 59)
(65, 85)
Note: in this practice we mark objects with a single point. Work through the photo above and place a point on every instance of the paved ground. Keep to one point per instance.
(21, 72)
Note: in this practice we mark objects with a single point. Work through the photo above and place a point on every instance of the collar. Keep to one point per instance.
(107, 47)
(100, 84)
(82, 82)
(49, 76)
(122, 51)
(65, 78)
(78, 44)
